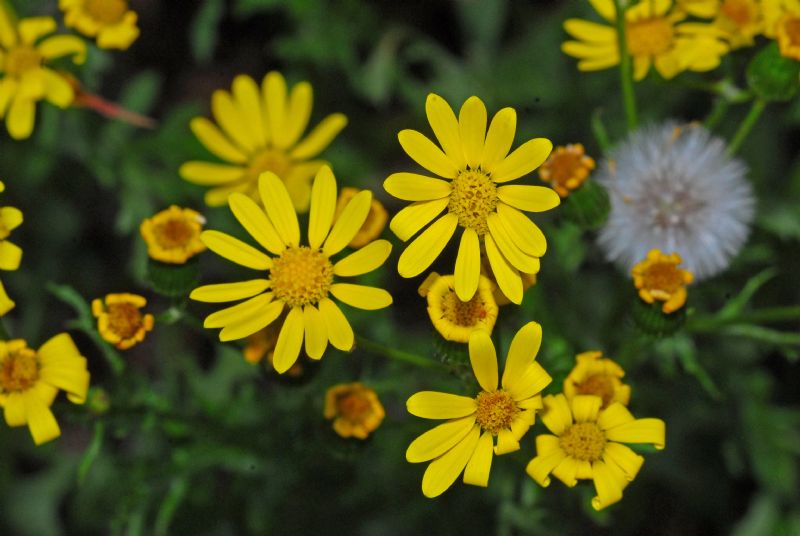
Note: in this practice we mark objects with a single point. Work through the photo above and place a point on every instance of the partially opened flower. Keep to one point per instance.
(173, 235)
(26, 50)
(30, 381)
(258, 130)
(296, 278)
(567, 168)
(120, 320)
(498, 414)
(658, 278)
(475, 164)
(355, 410)
(782, 23)
(373, 225)
(595, 375)
(455, 320)
(588, 445)
(110, 21)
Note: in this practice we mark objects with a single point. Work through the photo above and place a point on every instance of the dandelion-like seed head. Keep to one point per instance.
(674, 188)
(583, 441)
(19, 371)
(496, 411)
(301, 276)
(473, 198)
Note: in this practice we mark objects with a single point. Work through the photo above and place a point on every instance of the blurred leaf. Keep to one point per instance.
(377, 76)
(92, 451)
(761, 517)
(170, 503)
(204, 29)
(766, 428)
(737, 304)
(762, 334)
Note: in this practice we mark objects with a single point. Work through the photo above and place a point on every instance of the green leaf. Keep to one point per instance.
(737, 304)
(204, 30)
(92, 451)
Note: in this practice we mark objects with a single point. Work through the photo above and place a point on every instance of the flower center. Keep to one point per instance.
(740, 12)
(106, 11)
(496, 411)
(124, 319)
(649, 37)
(663, 276)
(19, 371)
(22, 59)
(598, 385)
(473, 198)
(583, 441)
(301, 276)
(467, 314)
(789, 37)
(352, 407)
(173, 233)
(270, 160)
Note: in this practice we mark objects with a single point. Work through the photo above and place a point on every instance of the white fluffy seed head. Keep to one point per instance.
(674, 188)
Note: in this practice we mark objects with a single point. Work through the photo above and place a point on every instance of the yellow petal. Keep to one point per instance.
(226, 292)
(274, 95)
(290, 340)
(507, 277)
(567, 471)
(586, 407)
(483, 358)
(256, 222)
(11, 218)
(527, 157)
(58, 46)
(414, 217)
(8, 88)
(627, 460)
(542, 465)
(10, 255)
(439, 440)
(499, 138)
(239, 312)
(607, 484)
(217, 197)
(320, 137)
(215, 141)
(605, 8)
(591, 32)
(445, 127)
(614, 415)
(248, 101)
(532, 381)
(364, 260)
(468, 265)
(414, 187)
(235, 250)
(506, 442)
(419, 255)
(316, 334)
(472, 129)
(300, 104)
(348, 223)
(591, 52)
(521, 353)
(518, 259)
(556, 415)
(231, 120)
(476, 473)
(41, 422)
(361, 297)
(443, 471)
(20, 118)
(57, 348)
(71, 379)
(639, 431)
(57, 90)
(209, 174)
(435, 405)
(529, 198)
(279, 207)
(340, 333)
(424, 152)
(14, 406)
(8, 32)
(323, 207)
(522, 231)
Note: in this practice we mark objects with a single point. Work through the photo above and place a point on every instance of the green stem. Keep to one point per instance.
(717, 113)
(600, 132)
(761, 316)
(399, 355)
(625, 70)
(748, 123)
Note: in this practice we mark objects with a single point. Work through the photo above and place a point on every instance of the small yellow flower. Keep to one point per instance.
(655, 37)
(6, 303)
(297, 278)
(567, 168)
(260, 130)
(173, 235)
(588, 445)
(782, 23)
(120, 321)
(30, 380)
(10, 254)
(110, 21)
(455, 320)
(475, 164)
(465, 442)
(373, 226)
(594, 375)
(25, 75)
(356, 410)
(659, 278)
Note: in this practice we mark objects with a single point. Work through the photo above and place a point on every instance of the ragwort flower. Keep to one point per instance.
(567, 168)
(374, 224)
(455, 320)
(465, 442)
(475, 164)
(110, 21)
(355, 409)
(595, 375)
(260, 130)
(782, 23)
(300, 278)
(658, 278)
(25, 77)
(173, 235)
(30, 380)
(739, 20)
(588, 445)
(120, 321)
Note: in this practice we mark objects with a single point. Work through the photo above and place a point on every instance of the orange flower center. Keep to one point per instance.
(473, 198)
(270, 160)
(566, 169)
(740, 12)
(19, 371)
(124, 319)
(496, 411)
(601, 385)
(301, 276)
(106, 11)
(352, 406)
(649, 37)
(22, 59)
(663, 276)
(173, 233)
(789, 37)
(583, 441)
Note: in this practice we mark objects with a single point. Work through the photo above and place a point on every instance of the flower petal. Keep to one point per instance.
(320, 137)
(421, 253)
(627, 460)
(439, 440)
(235, 250)
(445, 127)
(608, 485)
(215, 141)
(532, 381)
(57, 348)
(506, 442)
(540, 467)
(639, 431)
(513, 254)
(21, 117)
(586, 407)
(443, 471)
(556, 415)
(248, 100)
(529, 198)
(567, 471)
(521, 353)
(279, 207)
(323, 207)
(58, 46)
(614, 415)
(414, 217)
(483, 358)
(499, 138)
(468, 265)
(364, 260)
(476, 473)
(209, 174)
(290, 341)
(361, 296)
(436, 405)
(507, 277)
(425, 153)
(348, 223)
(41, 422)
(14, 406)
(472, 129)
(231, 120)
(522, 231)
(255, 320)
(256, 222)
(238, 312)
(300, 103)
(527, 157)
(70, 378)
(414, 187)
(340, 332)
(316, 333)
(226, 292)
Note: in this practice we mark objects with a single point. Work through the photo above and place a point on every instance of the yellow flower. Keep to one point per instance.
(10, 254)
(120, 321)
(594, 375)
(454, 319)
(567, 168)
(260, 131)
(465, 441)
(373, 226)
(355, 409)
(6, 303)
(25, 75)
(30, 380)
(654, 36)
(173, 235)
(782, 22)
(300, 278)
(475, 164)
(659, 278)
(110, 21)
(587, 445)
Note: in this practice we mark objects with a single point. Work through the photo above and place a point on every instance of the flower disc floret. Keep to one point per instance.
(301, 276)
(454, 319)
(583, 441)
(649, 37)
(495, 411)
(120, 320)
(106, 11)
(473, 198)
(19, 371)
(659, 278)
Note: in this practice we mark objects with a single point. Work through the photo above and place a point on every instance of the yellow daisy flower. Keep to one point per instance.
(659, 278)
(567, 168)
(6, 303)
(588, 445)
(356, 410)
(110, 21)
(465, 442)
(455, 320)
(475, 164)
(30, 380)
(782, 22)
(654, 35)
(300, 278)
(261, 131)
(376, 218)
(173, 235)
(10, 254)
(594, 375)
(120, 321)
(26, 48)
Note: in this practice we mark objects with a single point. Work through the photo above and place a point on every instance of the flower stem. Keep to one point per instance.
(399, 355)
(760, 316)
(747, 125)
(625, 71)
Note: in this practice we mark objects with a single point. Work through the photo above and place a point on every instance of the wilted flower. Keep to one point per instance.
(455, 320)
(658, 278)
(120, 320)
(355, 409)
(173, 235)
(674, 188)
(110, 21)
